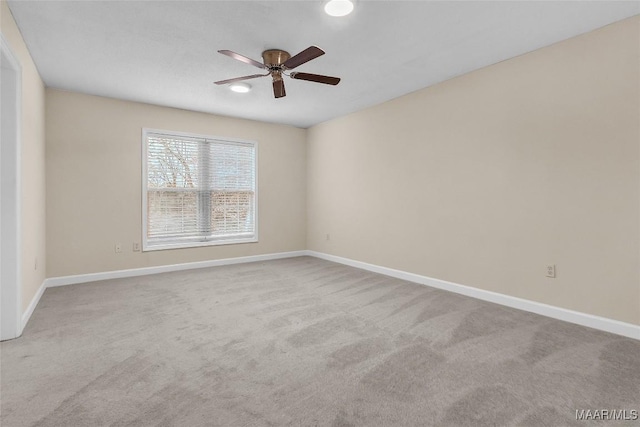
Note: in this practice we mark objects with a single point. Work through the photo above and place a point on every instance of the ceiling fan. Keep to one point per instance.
(277, 62)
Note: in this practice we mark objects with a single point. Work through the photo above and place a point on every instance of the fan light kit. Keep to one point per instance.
(338, 7)
(240, 87)
(277, 63)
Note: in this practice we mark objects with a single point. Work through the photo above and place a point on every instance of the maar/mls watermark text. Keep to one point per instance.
(606, 414)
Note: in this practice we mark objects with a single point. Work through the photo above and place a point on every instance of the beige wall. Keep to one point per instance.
(484, 179)
(33, 162)
(94, 183)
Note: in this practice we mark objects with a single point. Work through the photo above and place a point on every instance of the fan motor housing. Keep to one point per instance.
(275, 57)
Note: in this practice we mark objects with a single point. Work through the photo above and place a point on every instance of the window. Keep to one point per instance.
(197, 190)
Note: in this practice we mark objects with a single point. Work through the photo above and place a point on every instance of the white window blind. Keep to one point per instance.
(198, 190)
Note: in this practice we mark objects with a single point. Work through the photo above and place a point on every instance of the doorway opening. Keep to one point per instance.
(10, 94)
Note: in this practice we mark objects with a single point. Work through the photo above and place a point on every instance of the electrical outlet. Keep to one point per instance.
(551, 271)
(136, 247)
(328, 236)
(118, 248)
(35, 263)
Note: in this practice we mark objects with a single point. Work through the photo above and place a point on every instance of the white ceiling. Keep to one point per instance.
(165, 52)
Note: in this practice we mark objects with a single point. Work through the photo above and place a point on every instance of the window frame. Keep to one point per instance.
(189, 241)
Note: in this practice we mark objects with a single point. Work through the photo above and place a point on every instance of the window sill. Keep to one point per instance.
(197, 244)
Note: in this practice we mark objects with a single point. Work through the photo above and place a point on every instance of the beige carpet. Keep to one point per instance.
(303, 342)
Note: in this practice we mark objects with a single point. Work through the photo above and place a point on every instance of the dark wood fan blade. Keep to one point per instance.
(278, 89)
(306, 55)
(242, 58)
(315, 78)
(237, 79)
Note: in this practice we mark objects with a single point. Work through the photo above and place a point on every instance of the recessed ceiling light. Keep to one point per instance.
(338, 7)
(240, 87)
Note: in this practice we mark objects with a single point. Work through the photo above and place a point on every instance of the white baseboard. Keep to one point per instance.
(589, 320)
(32, 305)
(118, 274)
